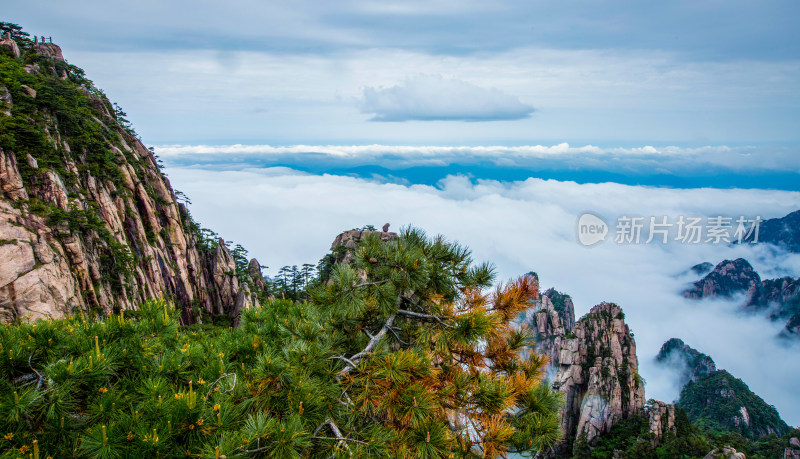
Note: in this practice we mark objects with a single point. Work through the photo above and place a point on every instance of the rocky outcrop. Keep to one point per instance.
(687, 362)
(661, 418)
(89, 222)
(49, 50)
(772, 292)
(343, 245)
(793, 451)
(550, 326)
(8, 43)
(597, 371)
(780, 300)
(726, 452)
(254, 271)
(727, 278)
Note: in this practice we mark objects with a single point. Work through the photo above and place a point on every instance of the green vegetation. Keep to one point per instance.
(631, 438)
(558, 299)
(714, 402)
(400, 354)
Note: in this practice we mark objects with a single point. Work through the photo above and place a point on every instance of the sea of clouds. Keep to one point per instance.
(287, 217)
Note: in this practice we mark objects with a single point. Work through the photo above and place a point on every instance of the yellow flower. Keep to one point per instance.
(102, 390)
(178, 396)
(200, 422)
(216, 408)
(10, 435)
(200, 382)
(24, 449)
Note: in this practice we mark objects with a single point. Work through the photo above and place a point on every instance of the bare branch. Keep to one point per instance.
(370, 346)
(340, 439)
(417, 315)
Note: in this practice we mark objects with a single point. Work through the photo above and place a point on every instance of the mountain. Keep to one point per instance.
(593, 363)
(719, 401)
(88, 220)
(779, 298)
(714, 399)
(691, 363)
(728, 278)
(783, 232)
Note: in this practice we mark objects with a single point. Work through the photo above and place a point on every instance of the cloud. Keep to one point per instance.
(433, 97)
(284, 219)
(717, 165)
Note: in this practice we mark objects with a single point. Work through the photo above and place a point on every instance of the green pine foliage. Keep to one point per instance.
(402, 354)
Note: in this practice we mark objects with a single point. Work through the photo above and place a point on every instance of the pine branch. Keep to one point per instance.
(417, 315)
(340, 439)
(370, 346)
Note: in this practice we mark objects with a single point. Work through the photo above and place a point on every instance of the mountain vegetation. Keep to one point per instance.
(399, 354)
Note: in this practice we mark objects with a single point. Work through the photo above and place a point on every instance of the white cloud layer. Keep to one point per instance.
(288, 218)
(432, 98)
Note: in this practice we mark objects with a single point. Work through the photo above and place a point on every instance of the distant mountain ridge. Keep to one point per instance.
(779, 298)
(783, 232)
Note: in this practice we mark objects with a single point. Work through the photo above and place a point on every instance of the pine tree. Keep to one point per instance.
(432, 364)
(401, 354)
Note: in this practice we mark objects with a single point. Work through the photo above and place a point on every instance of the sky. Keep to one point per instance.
(494, 123)
(687, 73)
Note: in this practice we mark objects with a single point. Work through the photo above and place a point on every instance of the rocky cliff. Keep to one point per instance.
(595, 367)
(88, 221)
(779, 298)
(729, 277)
(551, 326)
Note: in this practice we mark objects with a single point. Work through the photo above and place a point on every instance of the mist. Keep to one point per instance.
(286, 217)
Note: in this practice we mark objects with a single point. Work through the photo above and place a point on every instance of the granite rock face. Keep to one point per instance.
(345, 242)
(661, 417)
(550, 328)
(596, 369)
(50, 50)
(99, 228)
(11, 45)
(728, 278)
(726, 452)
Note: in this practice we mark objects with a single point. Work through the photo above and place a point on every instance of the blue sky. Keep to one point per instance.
(613, 74)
